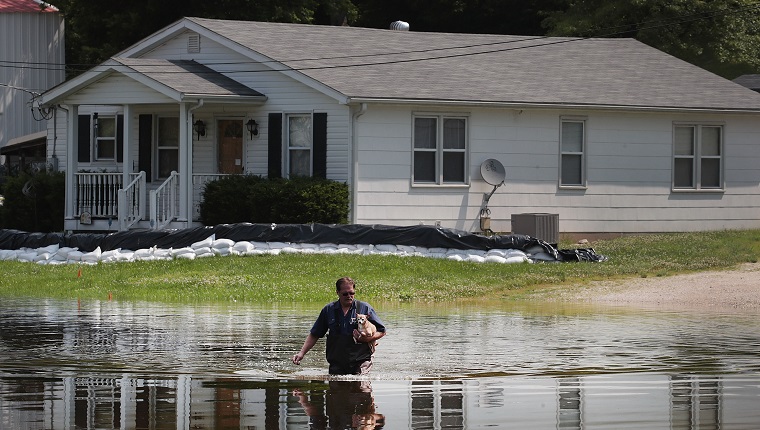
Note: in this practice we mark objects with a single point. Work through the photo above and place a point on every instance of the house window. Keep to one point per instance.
(697, 157)
(572, 165)
(168, 146)
(100, 138)
(105, 138)
(440, 150)
(299, 145)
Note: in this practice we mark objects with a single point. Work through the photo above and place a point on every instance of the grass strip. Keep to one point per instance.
(306, 278)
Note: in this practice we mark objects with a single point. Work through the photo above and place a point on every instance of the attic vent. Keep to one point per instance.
(194, 43)
(400, 25)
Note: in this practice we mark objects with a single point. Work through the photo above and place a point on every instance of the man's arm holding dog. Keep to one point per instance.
(359, 337)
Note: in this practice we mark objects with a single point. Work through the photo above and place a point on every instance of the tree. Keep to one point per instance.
(722, 36)
(33, 202)
(517, 17)
(97, 30)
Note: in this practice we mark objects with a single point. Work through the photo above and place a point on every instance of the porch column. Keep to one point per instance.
(72, 137)
(185, 164)
(188, 172)
(127, 165)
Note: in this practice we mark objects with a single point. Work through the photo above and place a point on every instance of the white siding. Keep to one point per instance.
(629, 159)
(33, 42)
(118, 89)
(284, 95)
(56, 139)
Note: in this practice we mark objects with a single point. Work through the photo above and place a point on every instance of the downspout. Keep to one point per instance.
(72, 136)
(190, 111)
(355, 162)
(53, 155)
(189, 167)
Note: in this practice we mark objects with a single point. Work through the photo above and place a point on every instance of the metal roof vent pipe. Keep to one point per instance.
(400, 25)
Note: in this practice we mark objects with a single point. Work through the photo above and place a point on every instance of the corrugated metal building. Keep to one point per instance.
(31, 61)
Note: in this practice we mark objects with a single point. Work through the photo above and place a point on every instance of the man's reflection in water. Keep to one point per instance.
(347, 405)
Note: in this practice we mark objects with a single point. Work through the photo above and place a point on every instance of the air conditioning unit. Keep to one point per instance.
(539, 225)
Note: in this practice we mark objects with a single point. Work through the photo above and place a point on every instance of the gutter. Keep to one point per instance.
(355, 162)
(227, 99)
(527, 105)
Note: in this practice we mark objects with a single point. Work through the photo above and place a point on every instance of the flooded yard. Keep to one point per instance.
(107, 364)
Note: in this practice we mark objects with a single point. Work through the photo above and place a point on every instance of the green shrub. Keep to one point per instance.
(34, 203)
(254, 199)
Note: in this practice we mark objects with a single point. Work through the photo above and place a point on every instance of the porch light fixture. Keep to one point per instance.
(252, 127)
(200, 128)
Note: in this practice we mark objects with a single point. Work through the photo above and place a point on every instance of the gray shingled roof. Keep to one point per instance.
(364, 63)
(750, 81)
(188, 77)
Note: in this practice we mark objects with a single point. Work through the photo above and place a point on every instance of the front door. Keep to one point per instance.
(231, 146)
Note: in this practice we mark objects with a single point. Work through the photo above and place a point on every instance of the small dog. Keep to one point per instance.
(366, 328)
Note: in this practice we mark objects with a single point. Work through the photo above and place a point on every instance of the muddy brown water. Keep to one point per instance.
(108, 364)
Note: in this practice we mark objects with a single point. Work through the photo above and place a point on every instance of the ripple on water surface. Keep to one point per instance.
(439, 367)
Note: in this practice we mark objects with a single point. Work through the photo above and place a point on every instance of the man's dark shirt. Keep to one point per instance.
(343, 353)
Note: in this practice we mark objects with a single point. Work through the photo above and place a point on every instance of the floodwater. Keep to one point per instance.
(108, 364)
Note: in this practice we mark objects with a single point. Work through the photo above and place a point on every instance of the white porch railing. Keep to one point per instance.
(199, 184)
(164, 202)
(132, 202)
(104, 196)
(97, 194)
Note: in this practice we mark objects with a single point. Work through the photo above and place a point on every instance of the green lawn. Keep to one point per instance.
(310, 278)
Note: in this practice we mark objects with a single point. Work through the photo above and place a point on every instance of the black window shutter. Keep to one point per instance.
(319, 168)
(83, 144)
(119, 138)
(275, 145)
(145, 145)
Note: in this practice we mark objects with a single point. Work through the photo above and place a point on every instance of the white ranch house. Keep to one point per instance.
(611, 135)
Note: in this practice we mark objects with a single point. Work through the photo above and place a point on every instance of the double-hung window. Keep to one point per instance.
(168, 146)
(299, 145)
(440, 149)
(100, 138)
(697, 157)
(105, 138)
(572, 167)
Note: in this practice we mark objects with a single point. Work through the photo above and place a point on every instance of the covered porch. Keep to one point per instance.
(143, 137)
(103, 202)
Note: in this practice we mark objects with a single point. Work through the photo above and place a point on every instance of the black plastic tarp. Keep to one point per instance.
(350, 234)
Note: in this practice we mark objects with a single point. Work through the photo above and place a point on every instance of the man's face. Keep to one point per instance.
(346, 294)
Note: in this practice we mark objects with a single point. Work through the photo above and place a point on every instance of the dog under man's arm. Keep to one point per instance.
(349, 349)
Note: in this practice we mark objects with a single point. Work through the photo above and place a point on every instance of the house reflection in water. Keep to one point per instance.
(30, 401)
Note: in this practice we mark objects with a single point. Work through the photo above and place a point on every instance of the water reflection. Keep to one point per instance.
(612, 401)
(66, 365)
(342, 404)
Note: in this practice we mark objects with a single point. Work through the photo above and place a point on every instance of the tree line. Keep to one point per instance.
(722, 36)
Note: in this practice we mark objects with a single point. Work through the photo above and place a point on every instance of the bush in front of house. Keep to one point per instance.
(298, 200)
(33, 202)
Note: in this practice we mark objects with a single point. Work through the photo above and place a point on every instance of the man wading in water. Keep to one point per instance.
(348, 351)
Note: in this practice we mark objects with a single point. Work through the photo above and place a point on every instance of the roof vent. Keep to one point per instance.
(194, 43)
(400, 25)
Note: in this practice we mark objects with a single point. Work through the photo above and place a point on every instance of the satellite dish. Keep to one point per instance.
(493, 172)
